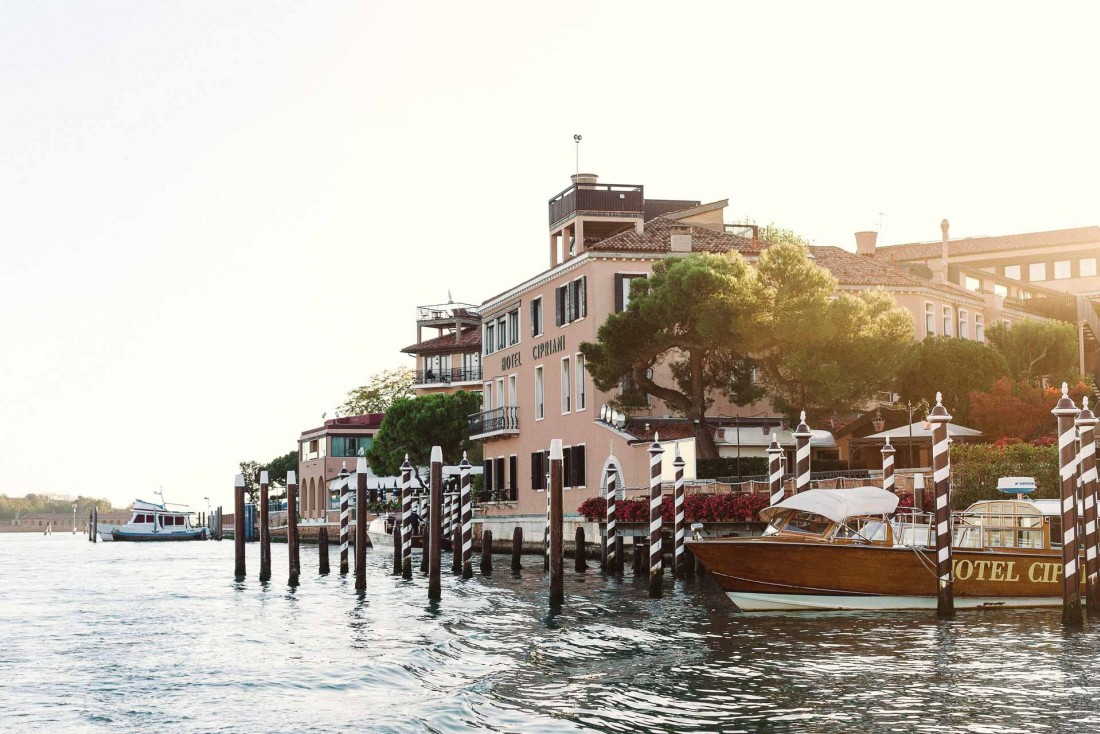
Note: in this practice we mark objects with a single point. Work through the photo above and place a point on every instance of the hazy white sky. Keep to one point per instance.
(218, 217)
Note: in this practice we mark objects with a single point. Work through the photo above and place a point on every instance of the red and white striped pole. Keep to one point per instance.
(1086, 461)
(802, 435)
(888, 452)
(345, 514)
(775, 471)
(678, 517)
(1066, 412)
(546, 534)
(655, 551)
(406, 519)
(467, 518)
(941, 477)
(610, 562)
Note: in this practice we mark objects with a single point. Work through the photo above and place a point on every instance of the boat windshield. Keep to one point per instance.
(861, 528)
(807, 523)
(1005, 524)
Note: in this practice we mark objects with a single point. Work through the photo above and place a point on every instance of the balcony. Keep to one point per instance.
(447, 377)
(496, 422)
(592, 198)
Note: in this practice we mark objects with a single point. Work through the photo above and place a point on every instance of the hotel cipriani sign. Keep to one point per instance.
(540, 350)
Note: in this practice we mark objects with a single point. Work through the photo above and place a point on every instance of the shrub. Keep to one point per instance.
(976, 467)
(735, 507)
(727, 467)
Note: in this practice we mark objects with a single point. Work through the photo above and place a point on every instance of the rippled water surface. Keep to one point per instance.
(160, 638)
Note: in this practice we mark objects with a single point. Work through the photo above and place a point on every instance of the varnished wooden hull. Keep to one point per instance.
(764, 574)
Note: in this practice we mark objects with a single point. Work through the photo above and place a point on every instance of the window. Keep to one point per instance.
(487, 396)
(979, 327)
(513, 473)
(344, 446)
(581, 398)
(536, 317)
(500, 392)
(929, 319)
(573, 466)
(1087, 267)
(513, 327)
(540, 412)
(490, 337)
(571, 301)
(502, 333)
(566, 384)
(1000, 290)
(539, 467)
(511, 390)
(498, 473)
(1013, 271)
(947, 321)
(623, 282)
(973, 284)
(1037, 272)
(487, 468)
(1062, 269)
(964, 324)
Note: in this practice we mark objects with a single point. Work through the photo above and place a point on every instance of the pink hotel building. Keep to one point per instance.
(601, 238)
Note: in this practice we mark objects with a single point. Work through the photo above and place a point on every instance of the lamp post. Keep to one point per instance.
(909, 408)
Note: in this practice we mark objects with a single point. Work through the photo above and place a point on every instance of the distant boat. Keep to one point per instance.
(380, 530)
(150, 521)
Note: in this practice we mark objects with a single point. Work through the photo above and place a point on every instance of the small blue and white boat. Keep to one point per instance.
(152, 522)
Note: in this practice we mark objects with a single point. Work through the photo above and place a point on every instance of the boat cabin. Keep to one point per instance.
(1009, 523)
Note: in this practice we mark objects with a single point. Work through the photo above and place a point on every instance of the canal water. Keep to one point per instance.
(159, 638)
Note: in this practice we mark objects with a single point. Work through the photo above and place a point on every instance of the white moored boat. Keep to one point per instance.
(152, 522)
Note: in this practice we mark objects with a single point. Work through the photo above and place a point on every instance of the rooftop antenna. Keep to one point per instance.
(880, 216)
(577, 140)
(449, 298)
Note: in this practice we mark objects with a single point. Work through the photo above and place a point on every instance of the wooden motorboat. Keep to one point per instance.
(846, 549)
(380, 530)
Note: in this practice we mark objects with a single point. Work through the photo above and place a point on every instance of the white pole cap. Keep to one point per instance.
(263, 477)
(292, 477)
(555, 450)
(437, 454)
(238, 481)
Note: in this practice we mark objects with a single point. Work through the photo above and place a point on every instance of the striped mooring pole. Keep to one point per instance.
(611, 557)
(678, 517)
(1066, 412)
(802, 435)
(775, 471)
(295, 566)
(1086, 460)
(345, 514)
(466, 500)
(238, 526)
(448, 514)
(941, 478)
(655, 551)
(406, 519)
(546, 532)
(557, 541)
(888, 452)
(265, 529)
(435, 523)
(361, 522)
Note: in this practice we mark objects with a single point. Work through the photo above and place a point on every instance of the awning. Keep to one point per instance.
(838, 504)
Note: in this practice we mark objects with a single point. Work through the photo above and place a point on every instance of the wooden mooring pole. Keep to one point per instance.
(406, 519)
(1066, 411)
(656, 570)
(888, 452)
(265, 529)
(95, 524)
(580, 552)
(238, 526)
(941, 466)
(322, 551)
(361, 523)
(465, 497)
(435, 523)
(397, 555)
(1086, 461)
(612, 549)
(802, 435)
(295, 565)
(517, 548)
(678, 514)
(557, 550)
(487, 553)
(345, 516)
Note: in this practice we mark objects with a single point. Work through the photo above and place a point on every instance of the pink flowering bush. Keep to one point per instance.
(697, 508)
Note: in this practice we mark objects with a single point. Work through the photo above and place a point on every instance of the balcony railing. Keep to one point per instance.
(506, 494)
(446, 377)
(605, 198)
(498, 420)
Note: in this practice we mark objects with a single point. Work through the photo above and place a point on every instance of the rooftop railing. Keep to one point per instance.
(606, 198)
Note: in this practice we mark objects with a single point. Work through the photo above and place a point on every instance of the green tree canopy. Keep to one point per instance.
(1034, 349)
(379, 394)
(816, 351)
(413, 425)
(689, 314)
(955, 367)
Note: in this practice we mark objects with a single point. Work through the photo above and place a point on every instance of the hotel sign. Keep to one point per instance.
(548, 347)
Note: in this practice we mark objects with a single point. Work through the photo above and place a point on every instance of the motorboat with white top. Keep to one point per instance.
(150, 521)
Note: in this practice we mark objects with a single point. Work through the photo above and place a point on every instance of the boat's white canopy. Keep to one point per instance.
(838, 504)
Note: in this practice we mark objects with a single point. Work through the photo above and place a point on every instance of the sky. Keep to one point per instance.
(217, 218)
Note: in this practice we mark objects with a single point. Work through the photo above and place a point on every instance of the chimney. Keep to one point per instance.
(680, 239)
(580, 179)
(865, 243)
(938, 266)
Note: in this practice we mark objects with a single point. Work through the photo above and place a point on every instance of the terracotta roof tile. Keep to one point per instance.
(656, 238)
(979, 245)
(468, 341)
(852, 269)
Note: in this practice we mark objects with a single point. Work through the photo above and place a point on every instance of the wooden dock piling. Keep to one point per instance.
(406, 519)
(361, 522)
(557, 542)
(580, 551)
(95, 524)
(656, 560)
(517, 548)
(1066, 411)
(456, 545)
(487, 553)
(612, 545)
(941, 465)
(678, 517)
(435, 523)
(465, 497)
(322, 551)
(345, 516)
(265, 529)
(397, 553)
(1086, 460)
(291, 527)
(238, 526)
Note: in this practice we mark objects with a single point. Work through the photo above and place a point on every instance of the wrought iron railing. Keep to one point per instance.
(446, 377)
(493, 421)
